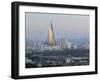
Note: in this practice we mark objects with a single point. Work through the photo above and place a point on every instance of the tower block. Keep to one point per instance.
(51, 36)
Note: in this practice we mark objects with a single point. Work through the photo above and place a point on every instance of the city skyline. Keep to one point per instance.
(50, 45)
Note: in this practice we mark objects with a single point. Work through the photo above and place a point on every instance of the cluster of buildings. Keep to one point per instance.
(61, 44)
(56, 52)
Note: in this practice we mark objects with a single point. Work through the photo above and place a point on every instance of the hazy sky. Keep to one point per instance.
(67, 26)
